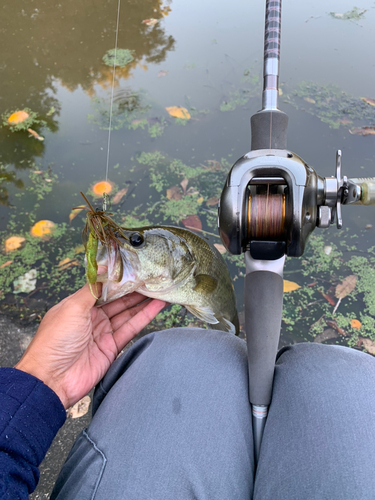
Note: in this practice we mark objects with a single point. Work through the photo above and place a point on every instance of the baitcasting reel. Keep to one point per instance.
(273, 200)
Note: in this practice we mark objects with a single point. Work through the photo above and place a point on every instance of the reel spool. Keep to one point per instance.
(266, 217)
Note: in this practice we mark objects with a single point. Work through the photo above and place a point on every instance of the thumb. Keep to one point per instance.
(87, 295)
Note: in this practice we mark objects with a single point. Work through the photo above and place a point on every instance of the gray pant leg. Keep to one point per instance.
(172, 421)
(319, 440)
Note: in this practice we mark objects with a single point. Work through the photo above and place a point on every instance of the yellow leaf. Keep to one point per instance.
(308, 99)
(18, 117)
(66, 263)
(13, 243)
(290, 286)
(368, 100)
(178, 112)
(43, 229)
(75, 212)
(79, 249)
(200, 199)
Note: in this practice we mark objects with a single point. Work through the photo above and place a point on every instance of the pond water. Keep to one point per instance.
(205, 56)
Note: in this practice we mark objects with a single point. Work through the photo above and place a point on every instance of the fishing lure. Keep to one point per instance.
(99, 227)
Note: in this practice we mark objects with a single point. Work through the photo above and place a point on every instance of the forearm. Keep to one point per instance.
(30, 416)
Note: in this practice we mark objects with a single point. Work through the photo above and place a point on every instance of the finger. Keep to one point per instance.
(86, 296)
(122, 303)
(123, 317)
(135, 324)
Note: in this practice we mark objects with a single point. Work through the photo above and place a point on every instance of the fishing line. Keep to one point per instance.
(105, 195)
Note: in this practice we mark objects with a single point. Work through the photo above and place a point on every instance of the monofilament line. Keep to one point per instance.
(111, 104)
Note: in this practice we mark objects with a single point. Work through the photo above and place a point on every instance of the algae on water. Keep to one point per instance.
(118, 57)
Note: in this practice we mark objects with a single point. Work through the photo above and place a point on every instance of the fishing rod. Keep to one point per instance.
(271, 202)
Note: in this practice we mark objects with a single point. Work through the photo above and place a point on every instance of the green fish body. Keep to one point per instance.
(172, 264)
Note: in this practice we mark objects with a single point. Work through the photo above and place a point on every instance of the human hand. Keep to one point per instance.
(77, 342)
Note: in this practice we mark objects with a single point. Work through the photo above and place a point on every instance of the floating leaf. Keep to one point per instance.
(174, 193)
(102, 187)
(290, 286)
(200, 199)
(7, 263)
(43, 229)
(363, 131)
(150, 22)
(220, 247)
(368, 344)
(327, 334)
(368, 100)
(355, 323)
(178, 112)
(13, 243)
(162, 73)
(212, 202)
(79, 249)
(18, 117)
(66, 263)
(327, 250)
(346, 287)
(25, 283)
(308, 99)
(80, 408)
(184, 184)
(192, 222)
(35, 134)
(335, 326)
(75, 212)
(119, 196)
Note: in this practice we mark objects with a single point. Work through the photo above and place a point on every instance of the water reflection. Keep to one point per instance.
(63, 43)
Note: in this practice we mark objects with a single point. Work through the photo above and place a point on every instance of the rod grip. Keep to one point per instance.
(263, 311)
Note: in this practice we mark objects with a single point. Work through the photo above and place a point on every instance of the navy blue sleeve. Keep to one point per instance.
(30, 416)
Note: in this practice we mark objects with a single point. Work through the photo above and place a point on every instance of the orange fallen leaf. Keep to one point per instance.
(13, 243)
(220, 247)
(7, 263)
(150, 22)
(35, 134)
(119, 196)
(18, 117)
(75, 212)
(211, 202)
(43, 229)
(174, 193)
(362, 131)
(102, 187)
(355, 323)
(290, 286)
(66, 263)
(179, 112)
(192, 222)
(368, 100)
(328, 298)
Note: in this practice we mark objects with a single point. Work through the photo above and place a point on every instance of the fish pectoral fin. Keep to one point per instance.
(205, 284)
(203, 313)
(228, 326)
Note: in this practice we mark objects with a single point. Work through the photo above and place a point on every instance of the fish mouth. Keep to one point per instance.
(121, 276)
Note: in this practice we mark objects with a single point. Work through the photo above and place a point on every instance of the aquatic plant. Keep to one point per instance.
(118, 57)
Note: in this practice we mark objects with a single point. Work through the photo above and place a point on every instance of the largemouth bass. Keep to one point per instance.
(172, 264)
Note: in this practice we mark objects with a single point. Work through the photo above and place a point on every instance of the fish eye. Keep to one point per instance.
(136, 240)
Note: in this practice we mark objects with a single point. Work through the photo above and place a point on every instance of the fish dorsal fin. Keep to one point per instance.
(203, 313)
(205, 284)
